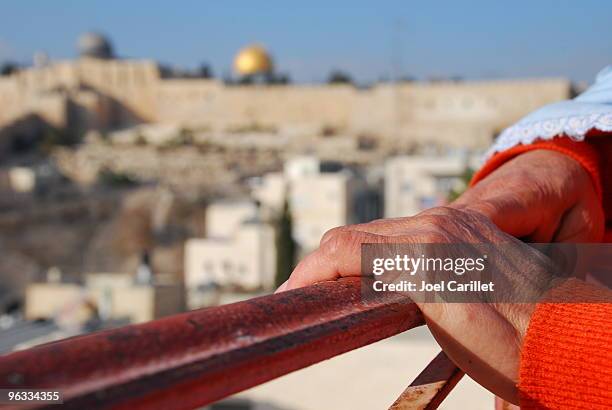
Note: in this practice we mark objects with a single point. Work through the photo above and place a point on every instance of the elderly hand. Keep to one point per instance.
(541, 196)
(484, 339)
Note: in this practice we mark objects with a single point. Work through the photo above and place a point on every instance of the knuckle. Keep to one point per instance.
(332, 233)
(341, 240)
(439, 211)
(477, 217)
(434, 237)
(434, 222)
(444, 224)
(428, 220)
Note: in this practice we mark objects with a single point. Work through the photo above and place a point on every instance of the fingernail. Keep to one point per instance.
(282, 287)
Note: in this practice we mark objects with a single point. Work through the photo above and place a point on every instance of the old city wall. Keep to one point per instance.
(119, 93)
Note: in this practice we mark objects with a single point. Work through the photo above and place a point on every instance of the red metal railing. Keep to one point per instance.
(431, 386)
(192, 359)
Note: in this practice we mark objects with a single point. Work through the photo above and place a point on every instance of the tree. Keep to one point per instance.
(205, 71)
(339, 77)
(8, 68)
(108, 177)
(460, 189)
(282, 78)
(285, 246)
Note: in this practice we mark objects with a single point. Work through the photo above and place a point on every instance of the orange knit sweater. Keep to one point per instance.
(566, 360)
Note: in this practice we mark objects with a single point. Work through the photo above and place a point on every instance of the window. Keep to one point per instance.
(227, 268)
(209, 268)
(242, 270)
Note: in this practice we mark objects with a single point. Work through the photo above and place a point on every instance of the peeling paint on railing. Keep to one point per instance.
(192, 359)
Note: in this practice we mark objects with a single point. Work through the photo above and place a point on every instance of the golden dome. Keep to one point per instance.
(253, 60)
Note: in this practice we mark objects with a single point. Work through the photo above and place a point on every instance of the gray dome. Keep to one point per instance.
(94, 45)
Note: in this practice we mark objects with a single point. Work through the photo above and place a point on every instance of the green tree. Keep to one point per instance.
(8, 68)
(339, 77)
(285, 246)
(205, 71)
(465, 181)
(108, 177)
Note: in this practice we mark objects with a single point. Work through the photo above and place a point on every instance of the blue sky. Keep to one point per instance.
(472, 39)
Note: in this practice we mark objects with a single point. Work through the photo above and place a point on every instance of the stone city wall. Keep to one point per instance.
(130, 92)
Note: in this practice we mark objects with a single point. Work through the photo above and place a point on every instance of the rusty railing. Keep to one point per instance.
(196, 358)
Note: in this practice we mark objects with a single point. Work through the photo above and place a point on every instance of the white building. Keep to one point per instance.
(415, 183)
(270, 190)
(106, 295)
(245, 260)
(301, 166)
(224, 218)
(321, 196)
(22, 179)
(319, 203)
(27, 179)
(318, 200)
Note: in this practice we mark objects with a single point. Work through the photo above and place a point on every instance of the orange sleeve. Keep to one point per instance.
(566, 359)
(581, 151)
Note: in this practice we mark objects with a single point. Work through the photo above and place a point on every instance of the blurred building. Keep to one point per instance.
(97, 91)
(102, 296)
(94, 45)
(415, 183)
(270, 190)
(21, 179)
(239, 250)
(253, 60)
(224, 218)
(319, 198)
(27, 179)
(242, 258)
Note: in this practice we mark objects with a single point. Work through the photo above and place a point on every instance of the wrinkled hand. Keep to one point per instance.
(484, 339)
(541, 196)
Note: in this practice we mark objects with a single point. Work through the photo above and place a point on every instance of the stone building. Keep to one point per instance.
(319, 199)
(243, 258)
(415, 183)
(224, 218)
(97, 91)
(104, 296)
(321, 195)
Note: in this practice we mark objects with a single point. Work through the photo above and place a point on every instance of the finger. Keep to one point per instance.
(340, 256)
(282, 287)
(509, 214)
(582, 223)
